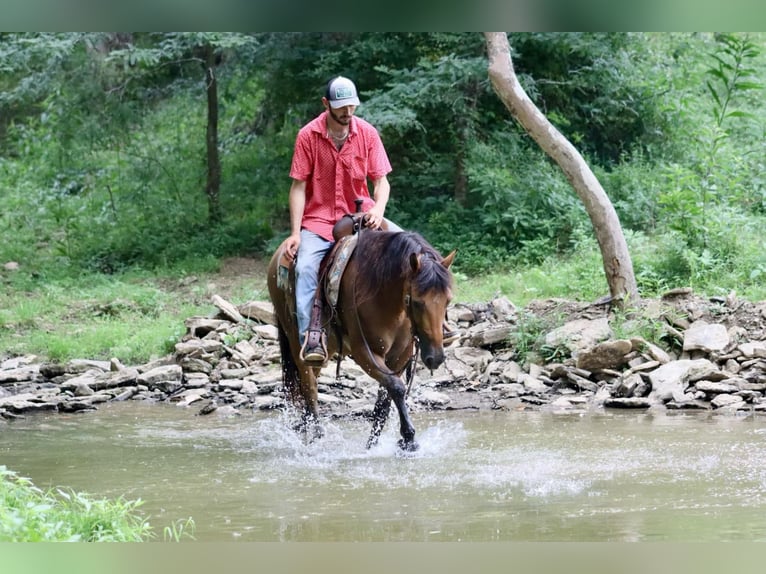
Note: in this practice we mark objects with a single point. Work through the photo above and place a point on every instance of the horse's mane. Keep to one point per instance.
(385, 256)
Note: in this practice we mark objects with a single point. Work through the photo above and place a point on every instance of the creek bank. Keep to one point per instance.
(713, 359)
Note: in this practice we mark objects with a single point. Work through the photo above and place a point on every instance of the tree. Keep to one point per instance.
(614, 250)
(206, 49)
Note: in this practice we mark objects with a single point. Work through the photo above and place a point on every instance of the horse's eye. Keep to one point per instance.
(418, 305)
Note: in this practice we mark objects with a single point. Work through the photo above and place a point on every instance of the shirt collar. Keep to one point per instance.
(322, 125)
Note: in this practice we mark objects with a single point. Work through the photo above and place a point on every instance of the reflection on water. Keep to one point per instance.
(477, 476)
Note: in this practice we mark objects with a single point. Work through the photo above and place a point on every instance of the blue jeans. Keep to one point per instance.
(310, 253)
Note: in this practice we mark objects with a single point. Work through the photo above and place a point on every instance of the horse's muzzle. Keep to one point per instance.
(432, 358)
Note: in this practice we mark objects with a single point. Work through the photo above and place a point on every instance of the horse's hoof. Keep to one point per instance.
(408, 445)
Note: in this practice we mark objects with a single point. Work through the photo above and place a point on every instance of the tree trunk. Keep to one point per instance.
(614, 249)
(213, 187)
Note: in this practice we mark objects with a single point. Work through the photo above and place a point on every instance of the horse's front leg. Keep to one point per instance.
(379, 416)
(309, 425)
(398, 394)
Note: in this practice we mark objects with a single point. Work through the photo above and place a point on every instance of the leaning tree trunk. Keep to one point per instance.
(213, 187)
(614, 249)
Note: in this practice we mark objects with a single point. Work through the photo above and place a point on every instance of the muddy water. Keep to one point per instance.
(477, 476)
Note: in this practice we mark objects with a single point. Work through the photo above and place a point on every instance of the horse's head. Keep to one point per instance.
(429, 294)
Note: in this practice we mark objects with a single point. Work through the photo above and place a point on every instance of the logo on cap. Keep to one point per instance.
(342, 92)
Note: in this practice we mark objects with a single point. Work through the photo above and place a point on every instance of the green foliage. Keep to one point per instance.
(102, 156)
(29, 514)
(130, 316)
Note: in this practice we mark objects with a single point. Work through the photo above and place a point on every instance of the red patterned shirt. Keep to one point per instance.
(334, 179)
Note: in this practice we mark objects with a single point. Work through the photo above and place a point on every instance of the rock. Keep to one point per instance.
(227, 309)
(477, 359)
(725, 400)
(490, 334)
(267, 332)
(712, 388)
(628, 403)
(201, 326)
(627, 386)
(701, 336)
(753, 349)
(261, 311)
(606, 355)
(17, 375)
(433, 398)
(669, 381)
(579, 334)
(168, 373)
(196, 347)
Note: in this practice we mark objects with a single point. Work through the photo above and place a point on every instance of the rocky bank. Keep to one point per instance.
(711, 357)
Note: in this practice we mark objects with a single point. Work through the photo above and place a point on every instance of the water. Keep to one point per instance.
(495, 476)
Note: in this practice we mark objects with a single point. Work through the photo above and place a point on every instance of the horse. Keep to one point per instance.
(391, 302)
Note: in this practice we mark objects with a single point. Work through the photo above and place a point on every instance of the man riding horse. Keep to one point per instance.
(334, 155)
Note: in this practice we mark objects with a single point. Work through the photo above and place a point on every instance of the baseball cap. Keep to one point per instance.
(341, 92)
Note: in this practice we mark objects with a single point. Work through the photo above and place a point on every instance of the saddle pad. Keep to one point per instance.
(343, 251)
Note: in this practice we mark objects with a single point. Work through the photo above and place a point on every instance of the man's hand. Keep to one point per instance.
(291, 245)
(374, 217)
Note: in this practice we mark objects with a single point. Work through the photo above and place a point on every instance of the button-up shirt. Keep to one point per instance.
(334, 179)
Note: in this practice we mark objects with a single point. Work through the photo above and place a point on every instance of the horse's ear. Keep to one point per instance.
(447, 261)
(415, 262)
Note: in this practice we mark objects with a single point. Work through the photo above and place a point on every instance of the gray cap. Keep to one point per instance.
(341, 92)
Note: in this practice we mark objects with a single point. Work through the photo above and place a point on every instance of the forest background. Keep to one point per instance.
(134, 164)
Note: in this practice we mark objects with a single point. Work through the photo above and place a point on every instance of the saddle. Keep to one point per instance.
(331, 272)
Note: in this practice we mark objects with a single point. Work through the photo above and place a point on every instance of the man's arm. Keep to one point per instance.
(297, 202)
(381, 190)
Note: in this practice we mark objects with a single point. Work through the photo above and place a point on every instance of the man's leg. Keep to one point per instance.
(310, 253)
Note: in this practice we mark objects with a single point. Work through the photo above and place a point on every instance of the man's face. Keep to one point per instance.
(341, 115)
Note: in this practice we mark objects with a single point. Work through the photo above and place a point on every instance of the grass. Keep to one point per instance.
(138, 315)
(29, 514)
(133, 316)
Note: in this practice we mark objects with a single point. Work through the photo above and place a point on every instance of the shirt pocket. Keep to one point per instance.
(359, 168)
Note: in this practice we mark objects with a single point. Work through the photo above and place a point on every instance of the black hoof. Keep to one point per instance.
(408, 445)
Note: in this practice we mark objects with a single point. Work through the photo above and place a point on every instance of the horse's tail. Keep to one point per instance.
(290, 375)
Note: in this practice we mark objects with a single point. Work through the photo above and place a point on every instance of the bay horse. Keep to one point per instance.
(392, 301)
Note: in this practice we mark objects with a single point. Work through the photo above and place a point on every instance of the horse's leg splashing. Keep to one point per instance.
(379, 416)
(309, 427)
(398, 394)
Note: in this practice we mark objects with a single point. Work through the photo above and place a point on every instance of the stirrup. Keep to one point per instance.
(314, 349)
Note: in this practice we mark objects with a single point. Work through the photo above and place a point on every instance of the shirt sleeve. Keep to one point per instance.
(378, 164)
(301, 167)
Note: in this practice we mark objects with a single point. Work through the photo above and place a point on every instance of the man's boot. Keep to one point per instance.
(314, 348)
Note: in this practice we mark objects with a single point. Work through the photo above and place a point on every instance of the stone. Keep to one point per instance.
(753, 349)
(227, 309)
(171, 373)
(477, 359)
(579, 334)
(490, 335)
(17, 375)
(713, 388)
(670, 380)
(703, 336)
(725, 400)
(628, 403)
(261, 311)
(267, 332)
(607, 355)
(433, 398)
